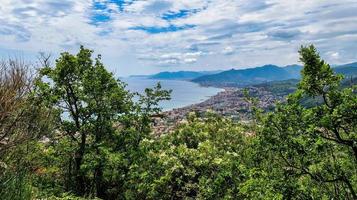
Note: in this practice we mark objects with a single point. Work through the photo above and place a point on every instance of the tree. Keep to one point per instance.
(20, 113)
(201, 159)
(22, 121)
(314, 147)
(97, 118)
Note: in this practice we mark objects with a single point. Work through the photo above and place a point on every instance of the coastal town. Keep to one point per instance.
(231, 103)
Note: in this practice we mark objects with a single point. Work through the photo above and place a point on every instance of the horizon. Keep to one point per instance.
(240, 68)
(137, 37)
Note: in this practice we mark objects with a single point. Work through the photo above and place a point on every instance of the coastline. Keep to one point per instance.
(206, 98)
(185, 93)
(230, 102)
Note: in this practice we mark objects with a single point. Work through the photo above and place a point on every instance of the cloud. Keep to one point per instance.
(284, 34)
(256, 6)
(228, 50)
(158, 7)
(142, 36)
(335, 55)
(19, 33)
(156, 29)
(179, 58)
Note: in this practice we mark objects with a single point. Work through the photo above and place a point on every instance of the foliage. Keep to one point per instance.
(201, 159)
(279, 88)
(15, 185)
(315, 147)
(100, 126)
(79, 134)
(21, 116)
(22, 120)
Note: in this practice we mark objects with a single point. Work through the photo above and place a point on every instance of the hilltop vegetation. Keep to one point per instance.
(280, 88)
(74, 132)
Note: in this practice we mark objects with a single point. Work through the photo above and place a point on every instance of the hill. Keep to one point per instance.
(181, 75)
(249, 76)
(347, 69)
(244, 77)
(279, 88)
(266, 73)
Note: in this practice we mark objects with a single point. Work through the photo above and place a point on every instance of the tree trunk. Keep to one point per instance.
(99, 182)
(79, 177)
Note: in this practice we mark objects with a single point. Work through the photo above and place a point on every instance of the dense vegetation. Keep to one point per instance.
(73, 131)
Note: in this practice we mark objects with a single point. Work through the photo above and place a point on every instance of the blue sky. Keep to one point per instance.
(148, 36)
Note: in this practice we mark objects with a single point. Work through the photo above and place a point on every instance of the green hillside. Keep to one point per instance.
(266, 73)
(347, 69)
(244, 77)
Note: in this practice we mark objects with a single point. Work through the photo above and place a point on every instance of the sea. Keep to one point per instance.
(184, 93)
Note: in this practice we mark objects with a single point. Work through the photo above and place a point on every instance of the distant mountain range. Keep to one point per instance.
(249, 76)
(347, 69)
(243, 77)
(181, 75)
(266, 73)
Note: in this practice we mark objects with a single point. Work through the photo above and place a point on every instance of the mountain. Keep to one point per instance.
(347, 70)
(279, 88)
(243, 77)
(181, 75)
(294, 70)
(266, 73)
(256, 75)
(139, 76)
(286, 87)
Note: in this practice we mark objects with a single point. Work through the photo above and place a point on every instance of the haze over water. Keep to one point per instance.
(184, 93)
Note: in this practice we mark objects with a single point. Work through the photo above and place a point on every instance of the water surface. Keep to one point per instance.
(184, 93)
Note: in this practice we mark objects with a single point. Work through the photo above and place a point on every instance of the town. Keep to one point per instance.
(231, 103)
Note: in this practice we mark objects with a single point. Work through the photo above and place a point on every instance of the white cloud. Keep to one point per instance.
(335, 55)
(228, 50)
(176, 58)
(190, 60)
(224, 33)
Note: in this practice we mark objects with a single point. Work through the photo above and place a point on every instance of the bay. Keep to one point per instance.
(184, 93)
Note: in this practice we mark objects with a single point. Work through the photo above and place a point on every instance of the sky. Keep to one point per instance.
(149, 36)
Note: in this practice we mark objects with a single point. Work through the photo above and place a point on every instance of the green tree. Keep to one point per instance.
(199, 160)
(98, 120)
(314, 147)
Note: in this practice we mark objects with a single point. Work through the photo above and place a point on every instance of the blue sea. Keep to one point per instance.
(184, 93)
